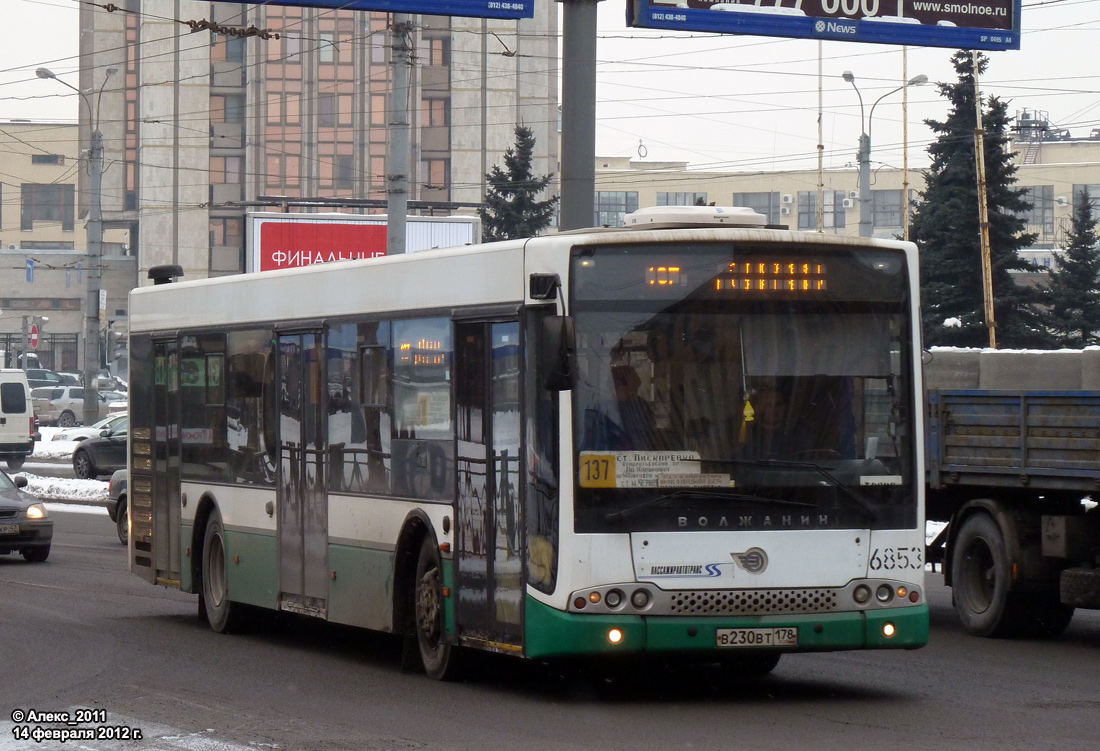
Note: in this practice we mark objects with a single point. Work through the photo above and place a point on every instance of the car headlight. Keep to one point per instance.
(36, 511)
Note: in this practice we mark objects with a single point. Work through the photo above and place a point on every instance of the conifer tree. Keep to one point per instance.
(513, 209)
(946, 228)
(1072, 292)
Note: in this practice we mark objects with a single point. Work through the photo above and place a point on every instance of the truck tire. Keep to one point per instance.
(981, 581)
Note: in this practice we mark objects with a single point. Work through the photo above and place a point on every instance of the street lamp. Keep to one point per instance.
(864, 154)
(95, 246)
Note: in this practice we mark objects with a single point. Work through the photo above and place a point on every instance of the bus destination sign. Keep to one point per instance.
(470, 8)
(970, 24)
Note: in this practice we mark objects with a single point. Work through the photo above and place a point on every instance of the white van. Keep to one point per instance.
(17, 433)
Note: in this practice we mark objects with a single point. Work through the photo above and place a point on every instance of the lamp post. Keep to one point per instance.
(95, 246)
(864, 153)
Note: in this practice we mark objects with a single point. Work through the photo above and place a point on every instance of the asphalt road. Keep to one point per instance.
(81, 632)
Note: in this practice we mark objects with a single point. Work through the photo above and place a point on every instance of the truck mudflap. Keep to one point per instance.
(1080, 588)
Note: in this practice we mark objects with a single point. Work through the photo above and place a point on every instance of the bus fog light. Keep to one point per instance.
(888, 630)
(640, 598)
(914, 596)
(614, 598)
(884, 593)
(862, 594)
(594, 597)
(579, 603)
(614, 636)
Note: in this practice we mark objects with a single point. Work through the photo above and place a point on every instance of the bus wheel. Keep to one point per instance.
(439, 658)
(222, 614)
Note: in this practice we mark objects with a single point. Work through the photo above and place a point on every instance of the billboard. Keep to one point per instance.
(968, 24)
(474, 8)
(288, 241)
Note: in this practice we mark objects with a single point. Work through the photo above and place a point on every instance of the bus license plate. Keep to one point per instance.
(9, 529)
(758, 637)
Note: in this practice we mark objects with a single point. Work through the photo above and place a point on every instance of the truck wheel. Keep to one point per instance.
(15, 462)
(440, 658)
(981, 581)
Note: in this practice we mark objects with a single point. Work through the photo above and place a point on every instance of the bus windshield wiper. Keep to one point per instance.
(700, 494)
(795, 464)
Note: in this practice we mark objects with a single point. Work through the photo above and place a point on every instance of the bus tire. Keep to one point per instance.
(223, 615)
(439, 658)
(981, 581)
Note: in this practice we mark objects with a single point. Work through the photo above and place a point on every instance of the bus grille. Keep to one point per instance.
(752, 601)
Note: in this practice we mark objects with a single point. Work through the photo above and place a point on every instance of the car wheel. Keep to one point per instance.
(83, 466)
(122, 521)
(15, 462)
(36, 555)
(67, 420)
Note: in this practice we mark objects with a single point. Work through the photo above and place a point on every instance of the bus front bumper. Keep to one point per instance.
(553, 633)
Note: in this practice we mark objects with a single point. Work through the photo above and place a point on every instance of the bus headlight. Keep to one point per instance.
(640, 599)
(888, 630)
(862, 594)
(884, 593)
(614, 598)
(614, 636)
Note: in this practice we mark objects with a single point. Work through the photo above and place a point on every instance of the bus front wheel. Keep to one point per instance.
(440, 659)
(222, 614)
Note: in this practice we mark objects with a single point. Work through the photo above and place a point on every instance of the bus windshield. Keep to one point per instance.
(742, 387)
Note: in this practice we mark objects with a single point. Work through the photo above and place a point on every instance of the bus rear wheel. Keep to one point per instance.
(223, 615)
(440, 659)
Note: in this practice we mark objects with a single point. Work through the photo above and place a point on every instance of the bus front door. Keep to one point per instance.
(303, 516)
(488, 537)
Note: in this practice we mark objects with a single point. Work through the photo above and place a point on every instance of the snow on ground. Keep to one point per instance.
(57, 490)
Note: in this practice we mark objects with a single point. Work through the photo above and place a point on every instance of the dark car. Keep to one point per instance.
(102, 455)
(25, 527)
(39, 378)
(116, 504)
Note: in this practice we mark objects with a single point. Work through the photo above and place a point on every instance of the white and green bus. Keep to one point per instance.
(695, 436)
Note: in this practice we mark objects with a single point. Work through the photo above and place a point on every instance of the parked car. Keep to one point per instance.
(63, 405)
(102, 455)
(25, 526)
(116, 505)
(18, 430)
(40, 377)
(82, 432)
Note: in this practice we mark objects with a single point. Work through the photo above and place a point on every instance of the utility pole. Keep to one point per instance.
(397, 146)
(578, 114)
(983, 210)
(95, 247)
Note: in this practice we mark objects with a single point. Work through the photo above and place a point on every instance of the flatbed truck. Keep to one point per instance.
(1013, 462)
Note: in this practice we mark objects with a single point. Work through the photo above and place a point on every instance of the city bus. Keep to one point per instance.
(696, 436)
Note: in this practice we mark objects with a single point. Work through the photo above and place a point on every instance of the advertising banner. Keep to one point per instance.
(970, 24)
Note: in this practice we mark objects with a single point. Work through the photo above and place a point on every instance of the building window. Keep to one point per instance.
(1040, 217)
(613, 206)
(378, 109)
(439, 52)
(435, 174)
(345, 168)
(328, 47)
(226, 232)
(681, 199)
(833, 214)
(435, 113)
(378, 47)
(762, 203)
(47, 203)
(234, 49)
(886, 208)
(47, 159)
(326, 110)
(1094, 197)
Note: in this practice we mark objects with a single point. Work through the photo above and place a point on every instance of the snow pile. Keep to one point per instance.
(65, 489)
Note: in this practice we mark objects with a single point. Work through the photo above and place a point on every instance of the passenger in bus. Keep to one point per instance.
(635, 425)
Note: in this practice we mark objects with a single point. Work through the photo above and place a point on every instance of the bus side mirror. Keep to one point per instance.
(558, 352)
